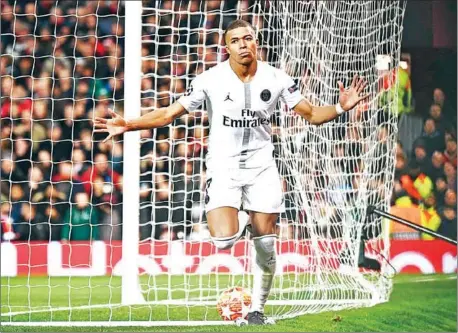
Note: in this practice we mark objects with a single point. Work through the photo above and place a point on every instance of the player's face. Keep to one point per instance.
(242, 45)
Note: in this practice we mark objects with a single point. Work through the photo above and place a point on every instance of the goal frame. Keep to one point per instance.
(130, 289)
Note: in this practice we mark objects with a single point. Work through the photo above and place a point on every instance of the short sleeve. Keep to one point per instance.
(290, 93)
(194, 95)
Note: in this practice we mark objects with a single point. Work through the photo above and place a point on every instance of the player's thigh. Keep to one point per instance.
(223, 198)
(223, 221)
(263, 223)
(264, 193)
(222, 190)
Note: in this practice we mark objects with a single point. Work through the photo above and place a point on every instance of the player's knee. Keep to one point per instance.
(265, 252)
(224, 243)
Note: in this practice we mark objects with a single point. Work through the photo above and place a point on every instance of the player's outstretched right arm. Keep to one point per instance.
(158, 118)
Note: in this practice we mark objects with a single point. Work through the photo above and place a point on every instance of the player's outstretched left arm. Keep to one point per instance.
(348, 99)
(118, 125)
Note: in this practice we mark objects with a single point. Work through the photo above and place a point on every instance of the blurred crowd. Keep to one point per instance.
(427, 179)
(62, 66)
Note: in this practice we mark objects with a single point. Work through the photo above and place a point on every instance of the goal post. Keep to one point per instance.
(131, 293)
(147, 259)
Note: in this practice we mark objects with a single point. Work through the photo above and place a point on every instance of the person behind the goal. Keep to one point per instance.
(241, 94)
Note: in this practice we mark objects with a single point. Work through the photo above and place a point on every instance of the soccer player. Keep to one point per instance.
(241, 94)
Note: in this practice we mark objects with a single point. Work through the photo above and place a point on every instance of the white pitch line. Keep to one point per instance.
(209, 300)
(427, 280)
(190, 303)
(119, 323)
(68, 308)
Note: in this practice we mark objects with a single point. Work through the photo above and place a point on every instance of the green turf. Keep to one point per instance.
(414, 306)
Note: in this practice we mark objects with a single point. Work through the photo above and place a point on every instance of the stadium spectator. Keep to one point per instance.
(106, 204)
(448, 214)
(404, 89)
(450, 174)
(400, 167)
(57, 143)
(101, 169)
(104, 186)
(448, 226)
(439, 96)
(35, 183)
(80, 221)
(84, 141)
(67, 181)
(435, 113)
(420, 161)
(7, 36)
(440, 188)
(44, 163)
(429, 216)
(79, 162)
(29, 226)
(433, 139)
(450, 153)
(400, 196)
(450, 198)
(415, 184)
(161, 213)
(52, 219)
(41, 122)
(16, 102)
(50, 205)
(440, 99)
(437, 166)
(17, 196)
(9, 175)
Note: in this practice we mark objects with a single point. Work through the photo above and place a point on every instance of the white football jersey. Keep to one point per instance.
(240, 113)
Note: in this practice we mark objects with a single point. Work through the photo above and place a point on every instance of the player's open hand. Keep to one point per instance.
(351, 96)
(114, 126)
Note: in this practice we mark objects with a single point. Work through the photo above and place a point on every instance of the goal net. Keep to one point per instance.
(115, 233)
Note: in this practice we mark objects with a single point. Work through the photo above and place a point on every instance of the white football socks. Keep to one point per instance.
(224, 243)
(264, 271)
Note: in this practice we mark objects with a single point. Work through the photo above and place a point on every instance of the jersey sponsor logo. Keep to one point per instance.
(228, 97)
(245, 122)
(265, 95)
(252, 121)
(293, 88)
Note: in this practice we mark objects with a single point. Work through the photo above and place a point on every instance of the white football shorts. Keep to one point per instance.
(258, 190)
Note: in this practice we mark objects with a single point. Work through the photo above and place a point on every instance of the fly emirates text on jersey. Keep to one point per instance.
(246, 122)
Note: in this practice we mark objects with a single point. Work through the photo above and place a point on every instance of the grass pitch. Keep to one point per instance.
(418, 304)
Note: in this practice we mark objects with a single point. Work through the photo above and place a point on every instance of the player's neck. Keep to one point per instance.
(245, 73)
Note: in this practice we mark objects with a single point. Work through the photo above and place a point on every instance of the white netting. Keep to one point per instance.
(336, 170)
(331, 173)
(61, 65)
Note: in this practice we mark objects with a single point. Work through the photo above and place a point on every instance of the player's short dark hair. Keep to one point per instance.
(237, 24)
